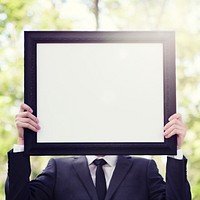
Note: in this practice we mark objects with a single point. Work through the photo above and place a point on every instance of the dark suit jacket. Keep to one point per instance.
(69, 179)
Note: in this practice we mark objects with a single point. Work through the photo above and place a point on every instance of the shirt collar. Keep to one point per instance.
(110, 159)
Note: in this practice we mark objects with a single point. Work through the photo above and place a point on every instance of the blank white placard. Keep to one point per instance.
(100, 92)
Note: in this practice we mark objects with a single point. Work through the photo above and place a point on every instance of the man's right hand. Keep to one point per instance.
(25, 119)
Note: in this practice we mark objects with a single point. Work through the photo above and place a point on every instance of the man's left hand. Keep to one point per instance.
(175, 126)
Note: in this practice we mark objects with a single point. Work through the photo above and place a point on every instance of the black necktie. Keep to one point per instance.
(100, 179)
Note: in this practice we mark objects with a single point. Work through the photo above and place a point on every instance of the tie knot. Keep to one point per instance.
(99, 162)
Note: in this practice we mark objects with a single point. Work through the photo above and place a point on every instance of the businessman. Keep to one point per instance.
(84, 178)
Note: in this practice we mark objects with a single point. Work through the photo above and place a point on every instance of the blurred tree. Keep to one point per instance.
(179, 15)
(13, 16)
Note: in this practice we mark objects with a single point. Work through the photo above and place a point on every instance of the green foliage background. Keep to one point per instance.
(181, 16)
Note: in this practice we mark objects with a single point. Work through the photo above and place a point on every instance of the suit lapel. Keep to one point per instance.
(81, 167)
(122, 167)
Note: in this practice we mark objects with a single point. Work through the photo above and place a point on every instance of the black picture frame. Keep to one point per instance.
(166, 39)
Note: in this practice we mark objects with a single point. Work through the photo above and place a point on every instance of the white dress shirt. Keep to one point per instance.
(107, 168)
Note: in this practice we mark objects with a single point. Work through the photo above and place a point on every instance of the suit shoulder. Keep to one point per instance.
(140, 164)
(138, 159)
(65, 160)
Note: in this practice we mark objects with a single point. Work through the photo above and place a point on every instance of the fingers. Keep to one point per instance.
(27, 114)
(175, 116)
(25, 119)
(34, 128)
(175, 126)
(172, 122)
(24, 107)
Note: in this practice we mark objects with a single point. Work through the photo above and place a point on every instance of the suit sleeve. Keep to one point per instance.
(177, 186)
(19, 186)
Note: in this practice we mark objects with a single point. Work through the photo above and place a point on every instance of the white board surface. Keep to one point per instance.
(100, 92)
